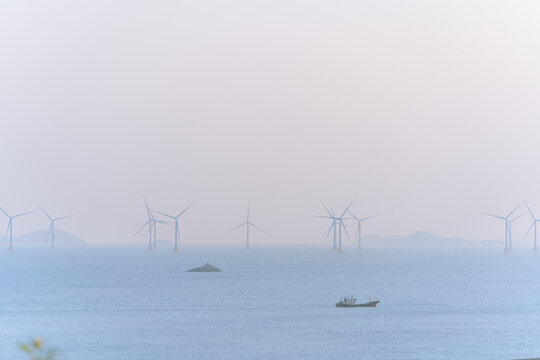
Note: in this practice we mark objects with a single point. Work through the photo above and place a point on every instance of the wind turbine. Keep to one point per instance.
(507, 227)
(10, 226)
(151, 223)
(533, 225)
(337, 225)
(176, 227)
(51, 227)
(359, 228)
(247, 224)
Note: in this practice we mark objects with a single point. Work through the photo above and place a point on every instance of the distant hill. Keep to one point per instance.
(39, 238)
(423, 239)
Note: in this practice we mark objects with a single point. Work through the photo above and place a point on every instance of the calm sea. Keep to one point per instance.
(107, 302)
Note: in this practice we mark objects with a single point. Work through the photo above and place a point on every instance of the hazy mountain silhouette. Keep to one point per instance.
(39, 238)
(423, 239)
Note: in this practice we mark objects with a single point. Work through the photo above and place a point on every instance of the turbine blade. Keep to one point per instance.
(517, 217)
(328, 231)
(511, 212)
(493, 215)
(142, 227)
(354, 216)
(239, 226)
(7, 230)
(345, 228)
(326, 208)
(50, 218)
(369, 217)
(63, 217)
(324, 217)
(147, 232)
(348, 207)
(256, 227)
(148, 212)
(5, 213)
(530, 212)
(25, 213)
(186, 209)
(530, 227)
(348, 238)
(167, 215)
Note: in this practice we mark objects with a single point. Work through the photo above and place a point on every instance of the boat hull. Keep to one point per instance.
(368, 304)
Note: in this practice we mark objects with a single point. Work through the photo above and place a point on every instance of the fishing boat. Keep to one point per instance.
(351, 302)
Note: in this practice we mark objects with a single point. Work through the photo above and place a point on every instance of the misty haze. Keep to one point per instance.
(269, 179)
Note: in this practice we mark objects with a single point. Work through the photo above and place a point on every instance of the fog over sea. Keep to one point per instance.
(271, 302)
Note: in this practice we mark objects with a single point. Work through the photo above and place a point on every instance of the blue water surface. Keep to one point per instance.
(122, 302)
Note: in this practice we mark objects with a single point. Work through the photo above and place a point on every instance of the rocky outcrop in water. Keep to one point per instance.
(205, 268)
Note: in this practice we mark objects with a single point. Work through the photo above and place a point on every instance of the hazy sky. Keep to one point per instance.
(427, 111)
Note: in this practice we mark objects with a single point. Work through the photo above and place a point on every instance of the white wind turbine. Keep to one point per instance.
(10, 226)
(338, 225)
(507, 227)
(359, 228)
(533, 225)
(247, 224)
(51, 227)
(176, 226)
(151, 223)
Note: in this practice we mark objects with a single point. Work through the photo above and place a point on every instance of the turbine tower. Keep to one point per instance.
(176, 227)
(152, 221)
(51, 227)
(359, 228)
(338, 225)
(533, 225)
(10, 226)
(247, 224)
(343, 226)
(507, 227)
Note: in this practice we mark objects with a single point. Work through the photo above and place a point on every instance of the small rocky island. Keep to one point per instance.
(205, 268)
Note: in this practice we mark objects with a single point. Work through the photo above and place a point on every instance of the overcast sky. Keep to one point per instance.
(427, 112)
